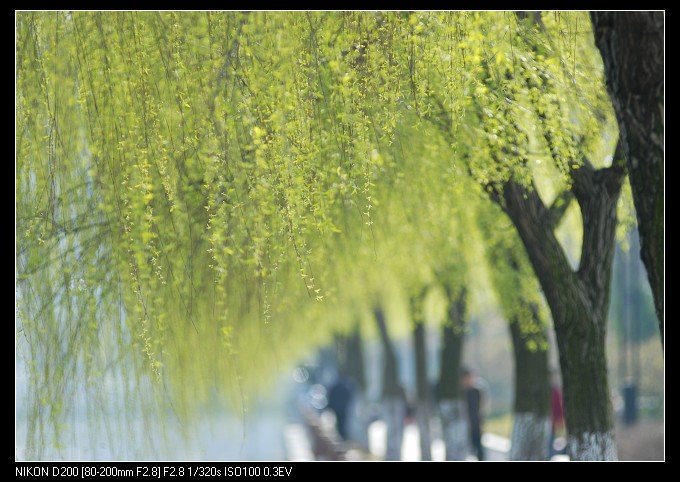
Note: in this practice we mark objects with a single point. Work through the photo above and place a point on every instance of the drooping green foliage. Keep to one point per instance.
(516, 287)
(195, 189)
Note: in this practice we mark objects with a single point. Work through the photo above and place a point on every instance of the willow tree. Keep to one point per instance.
(185, 181)
(559, 104)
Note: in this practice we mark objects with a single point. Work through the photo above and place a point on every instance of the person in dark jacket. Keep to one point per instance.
(474, 396)
(339, 399)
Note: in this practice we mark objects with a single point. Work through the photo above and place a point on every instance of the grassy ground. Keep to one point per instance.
(499, 425)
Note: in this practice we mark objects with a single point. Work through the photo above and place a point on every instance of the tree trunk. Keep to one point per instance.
(578, 300)
(632, 48)
(530, 436)
(423, 403)
(452, 406)
(531, 424)
(587, 405)
(519, 294)
(423, 417)
(393, 399)
(354, 361)
(358, 422)
(393, 412)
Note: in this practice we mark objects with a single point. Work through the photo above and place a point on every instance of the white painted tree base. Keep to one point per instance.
(530, 437)
(497, 447)
(454, 428)
(592, 446)
(425, 440)
(394, 412)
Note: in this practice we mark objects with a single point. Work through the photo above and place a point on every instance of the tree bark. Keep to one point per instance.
(452, 406)
(393, 399)
(530, 436)
(531, 424)
(578, 300)
(423, 402)
(632, 49)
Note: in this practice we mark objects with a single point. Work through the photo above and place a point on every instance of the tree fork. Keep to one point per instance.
(578, 300)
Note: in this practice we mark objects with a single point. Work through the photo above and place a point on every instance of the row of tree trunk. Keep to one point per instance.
(531, 429)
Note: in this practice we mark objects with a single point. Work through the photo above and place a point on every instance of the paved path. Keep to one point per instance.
(644, 441)
(299, 447)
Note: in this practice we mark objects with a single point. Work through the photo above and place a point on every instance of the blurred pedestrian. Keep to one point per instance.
(474, 395)
(558, 445)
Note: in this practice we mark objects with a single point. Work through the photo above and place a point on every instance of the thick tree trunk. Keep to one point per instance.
(393, 399)
(578, 300)
(531, 424)
(587, 406)
(632, 48)
(452, 406)
(423, 405)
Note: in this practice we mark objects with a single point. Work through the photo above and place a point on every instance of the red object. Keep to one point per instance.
(557, 410)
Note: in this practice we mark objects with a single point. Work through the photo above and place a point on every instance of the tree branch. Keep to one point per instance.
(533, 223)
(587, 179)
(559, 206)
(535, 17)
